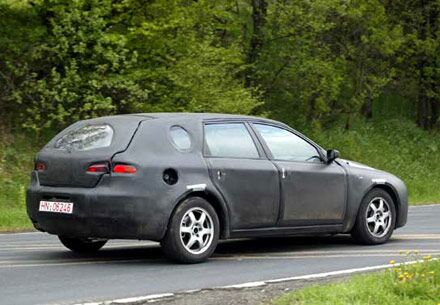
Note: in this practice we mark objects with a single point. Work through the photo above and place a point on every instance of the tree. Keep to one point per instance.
(324, 59)
(102, 57)
(259, 14)
(418, 59)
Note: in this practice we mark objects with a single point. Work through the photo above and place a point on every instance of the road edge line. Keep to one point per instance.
(158, 297)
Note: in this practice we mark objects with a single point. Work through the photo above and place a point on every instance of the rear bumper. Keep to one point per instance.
(110, 210)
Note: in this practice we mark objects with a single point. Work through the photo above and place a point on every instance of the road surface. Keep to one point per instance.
(36, 269)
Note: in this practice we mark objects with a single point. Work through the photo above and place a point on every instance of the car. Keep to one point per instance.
(187, 180)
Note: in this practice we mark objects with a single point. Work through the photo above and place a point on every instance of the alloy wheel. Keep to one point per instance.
(378, 217)
(196, 230)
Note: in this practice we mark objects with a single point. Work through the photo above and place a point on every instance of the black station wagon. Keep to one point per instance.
(189, 179)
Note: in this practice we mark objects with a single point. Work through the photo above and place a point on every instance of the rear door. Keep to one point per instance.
(313, 192)
(247, 180)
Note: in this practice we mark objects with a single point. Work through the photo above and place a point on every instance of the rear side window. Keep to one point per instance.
(86, 138)
(180, 138)
(230, 140)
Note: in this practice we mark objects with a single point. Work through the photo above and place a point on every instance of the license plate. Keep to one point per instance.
(56, 207)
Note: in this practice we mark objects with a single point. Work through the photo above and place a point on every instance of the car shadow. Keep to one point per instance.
(152, 253)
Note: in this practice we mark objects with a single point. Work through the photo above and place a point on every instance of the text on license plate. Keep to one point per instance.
(56, 207)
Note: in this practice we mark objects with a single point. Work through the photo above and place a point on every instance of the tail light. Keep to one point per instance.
(98, 168)
(124, 169)
(40, 166)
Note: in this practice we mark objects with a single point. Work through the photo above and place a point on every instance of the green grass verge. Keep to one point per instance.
(395, 146)
(417, 284)
(16, 162)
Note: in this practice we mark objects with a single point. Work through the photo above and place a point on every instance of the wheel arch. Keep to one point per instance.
(390, 191)
(214, 200)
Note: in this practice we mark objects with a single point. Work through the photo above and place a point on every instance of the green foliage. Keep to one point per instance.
(98, 57)
(20, 29)
(418, 59)
(82, 68)
(323, 59)
(185, 65)
(16, 162)
(312, 63)
(419, 285)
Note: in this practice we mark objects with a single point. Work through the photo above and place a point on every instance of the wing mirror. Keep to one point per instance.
(332, 154)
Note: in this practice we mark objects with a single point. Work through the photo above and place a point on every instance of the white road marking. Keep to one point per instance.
(147, 298)
(424, 205)
(157, 297)
(343, 272)
(244, 285)
(19, 233)
(77, 263)
(60, 247)
(46, 263)
(144, 298)
(416, 236)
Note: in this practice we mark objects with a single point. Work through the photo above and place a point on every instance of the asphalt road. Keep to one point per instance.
(36, 269)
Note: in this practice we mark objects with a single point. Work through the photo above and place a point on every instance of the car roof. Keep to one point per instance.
(201, 116)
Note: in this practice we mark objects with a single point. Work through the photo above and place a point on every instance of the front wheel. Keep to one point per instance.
(82, 245)
(376, 218)
(193, 232)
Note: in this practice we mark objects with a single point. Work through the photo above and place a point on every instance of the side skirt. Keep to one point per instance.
(284, 231)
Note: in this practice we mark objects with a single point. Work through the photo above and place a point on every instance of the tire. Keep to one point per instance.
(191, 239)
(82, 245)
(371, 214)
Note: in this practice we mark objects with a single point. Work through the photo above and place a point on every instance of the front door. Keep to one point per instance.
(313, 192)
(248, 181)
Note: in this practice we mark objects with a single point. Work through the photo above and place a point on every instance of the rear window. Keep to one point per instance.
(86, 138)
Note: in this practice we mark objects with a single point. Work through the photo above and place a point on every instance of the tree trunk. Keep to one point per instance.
(367, 108)
(423, 110)
(348, 122)
(259, 12)
(435, 114)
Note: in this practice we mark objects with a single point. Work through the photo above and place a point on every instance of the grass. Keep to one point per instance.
(397, 146)
(16, 162)
(417, 284)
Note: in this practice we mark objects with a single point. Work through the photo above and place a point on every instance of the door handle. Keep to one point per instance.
(220, 174)
(283, 173)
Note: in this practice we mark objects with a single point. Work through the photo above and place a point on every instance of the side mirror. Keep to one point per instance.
(332, 154)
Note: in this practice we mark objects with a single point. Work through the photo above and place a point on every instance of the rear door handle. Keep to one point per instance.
(283, 173)
(220, 174)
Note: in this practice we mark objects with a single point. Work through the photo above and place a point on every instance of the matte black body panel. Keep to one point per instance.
(318, 198)
(361, 179)
(251, 189)
(283, 231)
(313, 193)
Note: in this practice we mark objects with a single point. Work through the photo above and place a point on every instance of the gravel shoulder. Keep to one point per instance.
(243, 296)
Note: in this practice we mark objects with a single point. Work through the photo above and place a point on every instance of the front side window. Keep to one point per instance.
(230, 140)
(180, 138)
(86, 138)
(287, 146)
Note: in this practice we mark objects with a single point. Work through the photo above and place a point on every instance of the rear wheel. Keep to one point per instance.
(82, 245)
(376, 218)
(193, 232)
